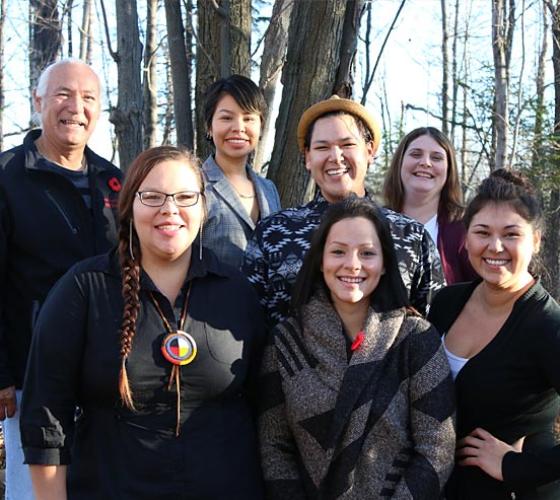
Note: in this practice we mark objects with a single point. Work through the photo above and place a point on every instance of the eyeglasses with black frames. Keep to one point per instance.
(157, 199)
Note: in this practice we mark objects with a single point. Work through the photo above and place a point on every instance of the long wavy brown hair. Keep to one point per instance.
(451, 197)
(130, 255)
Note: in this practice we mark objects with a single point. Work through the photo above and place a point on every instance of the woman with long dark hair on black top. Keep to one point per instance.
(155, 343)
(357, 400)
(502, 339)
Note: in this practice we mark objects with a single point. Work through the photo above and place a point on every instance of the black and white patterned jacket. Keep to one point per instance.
(278, 246)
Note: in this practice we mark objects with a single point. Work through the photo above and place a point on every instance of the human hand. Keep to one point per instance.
(7, 402)
(481, 449)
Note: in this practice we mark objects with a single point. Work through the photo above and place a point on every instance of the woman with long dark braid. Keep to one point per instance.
(155, 343)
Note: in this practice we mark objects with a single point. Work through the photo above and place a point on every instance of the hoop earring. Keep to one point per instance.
(200, 243)
(130, 240)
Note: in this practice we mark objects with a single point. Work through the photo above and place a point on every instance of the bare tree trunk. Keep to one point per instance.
(45, 38)
(445, 72)
(150, 77)
(454, 78)
(85, 32)
(538, 153)
(272, 62)
(127, 116)
(223, 48)
(309, 75)
(168, 120)
(180, 71)
(344, 82)
(552, 240)
(68, 9)
(3, 8)
(502, 35)
(371, 75)
(519, 106)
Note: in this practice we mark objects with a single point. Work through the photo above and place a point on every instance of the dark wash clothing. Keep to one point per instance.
(280, 242)
(119, 454)
(510, 389)
(452, 252)
(45, 228)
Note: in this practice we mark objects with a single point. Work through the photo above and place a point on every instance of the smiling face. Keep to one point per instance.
(338, 157)
(166, 233)
(352, 262)
(424, 167)
(235, 131)
(501, 243)
(70, 107)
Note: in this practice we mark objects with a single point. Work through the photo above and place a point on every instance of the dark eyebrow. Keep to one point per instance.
(510, 226)
(344, 139)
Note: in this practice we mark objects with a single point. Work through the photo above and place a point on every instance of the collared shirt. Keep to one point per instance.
(75, 361)
(280, 242)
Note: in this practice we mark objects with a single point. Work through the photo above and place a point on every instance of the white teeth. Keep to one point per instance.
(72, 122)
(169, 227)
(237, 141)
(349, 279)
(424, 175)
(338, 171)
(496, 262)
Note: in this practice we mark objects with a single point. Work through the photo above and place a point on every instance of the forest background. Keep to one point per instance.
(486, 72)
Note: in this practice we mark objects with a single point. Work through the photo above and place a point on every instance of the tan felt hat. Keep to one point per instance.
(334, 104)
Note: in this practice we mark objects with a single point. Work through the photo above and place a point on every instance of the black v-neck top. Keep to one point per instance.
(510, 388)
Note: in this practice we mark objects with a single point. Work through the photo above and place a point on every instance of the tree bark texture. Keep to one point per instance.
(180, 71)
(223, 48)
(127, 116)
(445, 69)
(272, 62)
(85, 32)
(454, 77)
(308, 76)
(344, 82)
(45, 38)
(551, 242)
(502, 37)
(150, 77)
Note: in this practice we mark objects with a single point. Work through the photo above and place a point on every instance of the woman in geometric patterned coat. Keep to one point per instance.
(356, 394)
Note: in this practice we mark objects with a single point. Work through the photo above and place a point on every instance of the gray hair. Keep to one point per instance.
(44, 77)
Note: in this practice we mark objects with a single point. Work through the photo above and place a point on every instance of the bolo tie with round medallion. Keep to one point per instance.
(179, 348)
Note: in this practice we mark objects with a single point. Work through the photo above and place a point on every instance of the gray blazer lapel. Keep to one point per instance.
(260, 190)
(224, 190)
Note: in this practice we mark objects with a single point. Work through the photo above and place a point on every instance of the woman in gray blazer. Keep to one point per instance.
(237, 196)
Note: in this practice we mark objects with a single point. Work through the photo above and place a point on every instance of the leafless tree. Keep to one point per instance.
(223, 47)
(180, 67)
(552, 239)
(150, 76)
(272, 62)
(309, 75)
(86, 32)
(45, 38)
(503, 23)
(127, 115)
(445, 68)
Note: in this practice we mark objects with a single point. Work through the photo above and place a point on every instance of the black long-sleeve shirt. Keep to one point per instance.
(510, 389)
(115, 453)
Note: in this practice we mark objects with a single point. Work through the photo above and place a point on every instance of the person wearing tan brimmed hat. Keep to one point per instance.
(338, 138)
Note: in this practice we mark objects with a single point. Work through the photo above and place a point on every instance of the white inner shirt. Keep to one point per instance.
(432, 228)
(456, 363)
